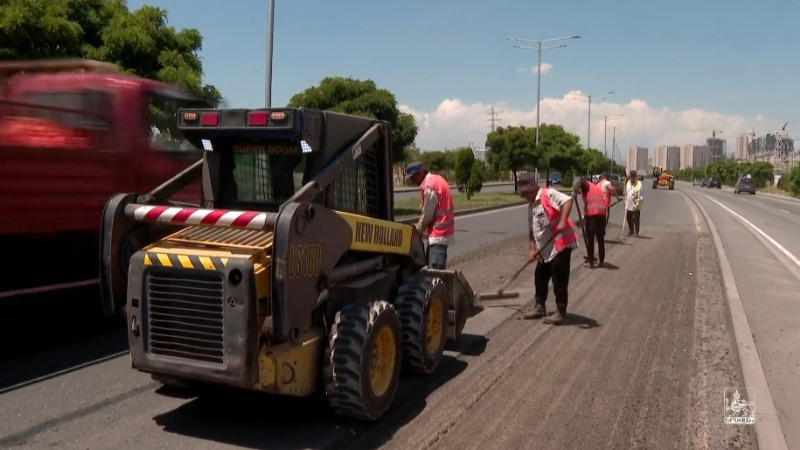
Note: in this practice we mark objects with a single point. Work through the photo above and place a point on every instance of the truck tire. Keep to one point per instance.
(361, 366)
(421, 303)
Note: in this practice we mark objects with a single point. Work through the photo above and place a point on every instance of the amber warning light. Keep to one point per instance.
(277, 116)
(190, 116)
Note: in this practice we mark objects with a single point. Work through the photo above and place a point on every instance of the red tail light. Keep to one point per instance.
(257, 118)
(208, 119)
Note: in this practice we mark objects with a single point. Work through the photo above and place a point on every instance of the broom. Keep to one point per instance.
(501, 294)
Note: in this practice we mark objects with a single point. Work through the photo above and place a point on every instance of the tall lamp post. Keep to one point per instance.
(539, 50)
(589, 119)
(270, 35)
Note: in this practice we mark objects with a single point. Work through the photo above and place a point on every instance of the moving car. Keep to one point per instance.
(697, 182)
(714, 183)
(745, 184)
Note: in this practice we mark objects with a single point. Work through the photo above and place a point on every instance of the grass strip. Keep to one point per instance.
(410, 207)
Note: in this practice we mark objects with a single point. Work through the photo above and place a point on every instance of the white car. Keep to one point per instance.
(697, 182)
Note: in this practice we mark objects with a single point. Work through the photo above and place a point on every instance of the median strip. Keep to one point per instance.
(408, 209)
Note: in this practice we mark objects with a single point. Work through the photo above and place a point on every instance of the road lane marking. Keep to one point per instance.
(769, 238)
(769, 432)
(787, 212)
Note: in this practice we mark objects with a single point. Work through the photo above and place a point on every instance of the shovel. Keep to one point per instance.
(500, 294)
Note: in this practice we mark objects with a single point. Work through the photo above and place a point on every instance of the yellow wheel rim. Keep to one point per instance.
(433, 325)
(384, 352)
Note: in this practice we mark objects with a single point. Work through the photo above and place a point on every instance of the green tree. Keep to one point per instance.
(477, 177)
(468, 172)
(139, 41)
(562, 150)
(362, 98)
(514, 149)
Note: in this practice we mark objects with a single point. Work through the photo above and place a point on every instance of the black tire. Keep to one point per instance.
(420, 300)
(349, 356)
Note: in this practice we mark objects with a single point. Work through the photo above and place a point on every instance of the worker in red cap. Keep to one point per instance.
(594, 219)
(548, 216)
(437, 217)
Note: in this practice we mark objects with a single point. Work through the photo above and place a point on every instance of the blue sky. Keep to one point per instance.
(696, 65)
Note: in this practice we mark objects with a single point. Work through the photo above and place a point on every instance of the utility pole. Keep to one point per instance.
(493, 118)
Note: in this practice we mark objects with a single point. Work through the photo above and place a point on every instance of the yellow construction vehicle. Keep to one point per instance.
(663, 178)
(293, 275)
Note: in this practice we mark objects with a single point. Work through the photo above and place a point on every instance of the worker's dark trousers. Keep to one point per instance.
(437, 256)
(633, 221)
(596, 231)
(558, 271)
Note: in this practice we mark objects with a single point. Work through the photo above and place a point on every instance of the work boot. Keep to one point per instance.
(556, 319)
(601, 263)
(538, 312)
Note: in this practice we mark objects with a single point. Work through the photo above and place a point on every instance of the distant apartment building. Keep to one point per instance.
(667, 156)
(479, 153)
(742, 141)
(695, 156)
(637, 159)
(716, 148)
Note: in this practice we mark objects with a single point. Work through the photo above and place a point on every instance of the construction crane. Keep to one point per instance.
(714, 131)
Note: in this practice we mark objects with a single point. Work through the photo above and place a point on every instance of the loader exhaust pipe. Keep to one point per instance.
(223, 218)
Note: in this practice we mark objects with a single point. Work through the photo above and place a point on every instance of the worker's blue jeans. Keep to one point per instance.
(437, 256)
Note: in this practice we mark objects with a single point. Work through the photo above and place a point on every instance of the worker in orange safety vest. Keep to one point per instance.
(437, 217)
(548, 214)
(608, 190)
(594, 219)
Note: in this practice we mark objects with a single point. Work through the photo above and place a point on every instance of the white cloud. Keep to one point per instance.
(546, 68)
(454, 123)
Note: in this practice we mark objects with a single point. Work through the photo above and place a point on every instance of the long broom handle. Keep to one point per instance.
(527, 263)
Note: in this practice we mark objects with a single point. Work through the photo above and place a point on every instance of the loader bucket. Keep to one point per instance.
(462, 301)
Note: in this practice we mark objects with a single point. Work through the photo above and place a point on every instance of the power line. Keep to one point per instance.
(493, 118)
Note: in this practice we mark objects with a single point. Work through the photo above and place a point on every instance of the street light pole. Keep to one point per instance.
(589, 119)
(605, 133)
(539, 50)
(270, 35)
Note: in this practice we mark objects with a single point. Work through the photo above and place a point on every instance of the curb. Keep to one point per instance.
(768, 429)
(453, 186)
(469, 211)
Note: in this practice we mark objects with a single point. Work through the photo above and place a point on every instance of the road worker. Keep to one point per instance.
(594, 219)
(608, 190)
(633, 203)
(551, 237)
(436, 213)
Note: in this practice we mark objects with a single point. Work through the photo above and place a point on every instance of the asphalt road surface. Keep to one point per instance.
(642, 363)
(759, 234)
(492, 188)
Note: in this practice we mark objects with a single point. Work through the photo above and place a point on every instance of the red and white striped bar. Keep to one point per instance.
(175, 215)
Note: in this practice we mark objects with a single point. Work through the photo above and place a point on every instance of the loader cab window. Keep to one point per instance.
(254, 178)
(160, 122)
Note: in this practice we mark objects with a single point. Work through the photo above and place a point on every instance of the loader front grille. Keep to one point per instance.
(185, 314)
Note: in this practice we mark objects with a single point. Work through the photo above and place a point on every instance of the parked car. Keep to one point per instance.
(615, 180)
(705, 182)
(714, 183)
(697, 182)
(745, 184)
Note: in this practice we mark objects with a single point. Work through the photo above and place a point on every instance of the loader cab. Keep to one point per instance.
(260, 159)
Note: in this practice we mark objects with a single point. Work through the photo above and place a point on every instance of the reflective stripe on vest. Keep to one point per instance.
(566, 238)
(443, 218)
(595, 202)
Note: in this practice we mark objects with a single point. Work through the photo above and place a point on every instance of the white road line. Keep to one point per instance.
(769, 432)
(781, 248)
(787, 212)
